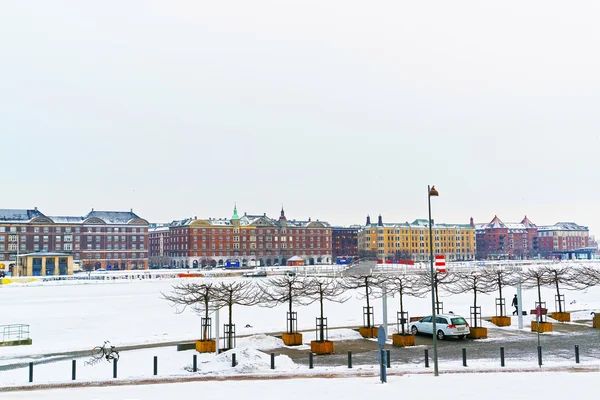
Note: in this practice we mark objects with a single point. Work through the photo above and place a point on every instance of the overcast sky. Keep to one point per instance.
(337, 109)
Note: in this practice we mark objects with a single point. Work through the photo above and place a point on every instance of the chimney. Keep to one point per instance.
(368, 220)
(379, 221)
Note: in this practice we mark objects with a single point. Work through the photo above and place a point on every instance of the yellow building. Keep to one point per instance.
(410, 241)
(45, 264)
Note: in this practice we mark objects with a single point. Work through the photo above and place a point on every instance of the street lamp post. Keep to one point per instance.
(432, 192)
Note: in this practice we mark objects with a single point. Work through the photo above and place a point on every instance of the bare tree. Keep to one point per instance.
(470, 281)
(365, 282)
(440, 280)
(242, 293)
(409, 285)
(88, 265)
(535, 278)
(284, 289)
(200, 297)
(558, 275)
(588, 275)
(498, 278)
(160, 261)
(321, 289)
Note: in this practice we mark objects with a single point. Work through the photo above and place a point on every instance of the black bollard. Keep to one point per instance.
(115, 362)
(577, 354)
(30, 372)
(73, 370)
(388, 363)
(155, 365)
(502, 356)
(195, 363)
(426, 358)
(310, 360)
(464, 354)
(272, 360)
(349, 359)
(540, 356)
(233, 363)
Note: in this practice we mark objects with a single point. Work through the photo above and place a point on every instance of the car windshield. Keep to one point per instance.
(459, 321)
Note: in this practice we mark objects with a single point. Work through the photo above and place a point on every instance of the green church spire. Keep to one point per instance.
(235, 214)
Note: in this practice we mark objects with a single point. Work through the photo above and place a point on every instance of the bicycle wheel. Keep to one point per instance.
(98, 352)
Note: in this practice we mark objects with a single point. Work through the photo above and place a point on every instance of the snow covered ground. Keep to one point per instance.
(76, 317)
(492, 386)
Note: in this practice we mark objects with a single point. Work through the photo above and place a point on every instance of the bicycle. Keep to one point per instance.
(100, 352)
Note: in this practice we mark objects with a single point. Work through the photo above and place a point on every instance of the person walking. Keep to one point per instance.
(515, 304)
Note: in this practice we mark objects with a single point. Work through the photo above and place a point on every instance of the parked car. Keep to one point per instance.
(446, 325)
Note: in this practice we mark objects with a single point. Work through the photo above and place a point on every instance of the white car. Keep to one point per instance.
(446, 325)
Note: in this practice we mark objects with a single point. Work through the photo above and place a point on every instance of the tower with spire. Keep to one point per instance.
(235, 219)
(282, 218)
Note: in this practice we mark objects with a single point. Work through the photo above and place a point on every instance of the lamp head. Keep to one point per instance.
(433, 192)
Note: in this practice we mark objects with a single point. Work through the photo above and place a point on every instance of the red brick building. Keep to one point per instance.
(249, 240)
(101, 239)
(506, 241)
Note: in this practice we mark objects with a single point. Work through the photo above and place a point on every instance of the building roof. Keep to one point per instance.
(67, 220)
(113, 217)
(563, 226)
(18, 215)
(108, 217)
(513, 227)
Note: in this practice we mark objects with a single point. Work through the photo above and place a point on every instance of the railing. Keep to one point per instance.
(14, 332)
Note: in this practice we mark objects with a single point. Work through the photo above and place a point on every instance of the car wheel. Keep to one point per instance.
(414, 331)
(441, 335)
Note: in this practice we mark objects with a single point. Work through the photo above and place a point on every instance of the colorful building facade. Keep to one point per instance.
(410, 241)
(100, 239)
(564, 237)
(247, 240)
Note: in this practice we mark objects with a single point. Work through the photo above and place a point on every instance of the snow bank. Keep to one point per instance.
(248, 361)
(260, 342)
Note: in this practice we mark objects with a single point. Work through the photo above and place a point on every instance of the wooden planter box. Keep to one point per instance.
(292, 339)
(403, 340)
(477, 333)
(596, 321)
(368, 332)
(325, 347)
(206, 346)
(543, 327)
(561, 316)
(501, 321)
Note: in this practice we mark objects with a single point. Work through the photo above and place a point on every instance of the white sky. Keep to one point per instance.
(334, 108)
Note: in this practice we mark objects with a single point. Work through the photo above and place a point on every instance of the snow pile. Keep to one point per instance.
(260, 342)
(249, 361)
(344, 334)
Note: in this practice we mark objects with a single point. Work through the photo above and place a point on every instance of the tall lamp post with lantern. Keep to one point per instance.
(431, 191)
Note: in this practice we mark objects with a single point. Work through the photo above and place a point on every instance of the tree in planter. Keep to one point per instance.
(321, 289)
(409, 285)
(199, 296)
(498, 278)
(284, 289)
(367, 283)
(535, 278)
(471, 281)
(228, 294)
(557, 275)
